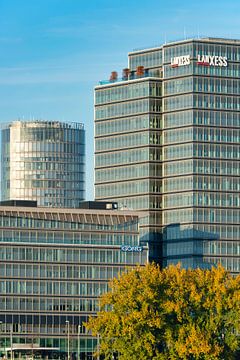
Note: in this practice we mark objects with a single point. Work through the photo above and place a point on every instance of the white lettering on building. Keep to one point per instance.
(212, 60)
(180, 61)
(130, 248)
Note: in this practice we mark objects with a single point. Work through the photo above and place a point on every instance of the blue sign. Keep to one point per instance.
(129, 248)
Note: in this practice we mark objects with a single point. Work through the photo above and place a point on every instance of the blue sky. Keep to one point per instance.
(53, 52)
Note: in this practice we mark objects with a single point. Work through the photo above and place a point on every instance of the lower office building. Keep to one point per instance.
(54, 265)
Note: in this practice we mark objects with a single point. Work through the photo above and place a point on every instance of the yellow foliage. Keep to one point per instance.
(170, 314)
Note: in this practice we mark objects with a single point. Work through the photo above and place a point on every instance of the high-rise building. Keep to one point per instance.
(167, 141)
(128, 147)
(43, 161)
(54, 265)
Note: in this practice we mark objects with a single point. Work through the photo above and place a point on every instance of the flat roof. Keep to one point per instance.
(124, 82)
(67, 214)
(196, 39)
(41, 123)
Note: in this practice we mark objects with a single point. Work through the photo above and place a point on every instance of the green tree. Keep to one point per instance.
(150, 314)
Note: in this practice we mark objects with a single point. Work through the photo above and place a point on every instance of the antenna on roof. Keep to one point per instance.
(184, 33)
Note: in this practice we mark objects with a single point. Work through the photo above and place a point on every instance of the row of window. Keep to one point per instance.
(178, 102)
(87, 345)
(126, 141)
(82, 222)
(209, 215)
(61, 166)
(177, 216)
(127, 92)
(201, 199)
(41, 146)
(130, 188)
(200, 84)
(49, 133)
(128, 108)
(201, 150)
(217, 151)
(201, 231)
(49, 184)
(22, 304)
(128, 172)
(147, 59)
(215, 231)
(128, 124)
(178, 184)
(214, 167)
(222, 248)
(51, 175)
(213, 85)
(76, 237)
(177, 86)
(71, 255)
(209, 118)
(215, 102)
(178, 119)
(231, 71)
(59, 272)
(183, 248)
(66, 288)
(128, 156)
(201, 134)
(198, 183)
(178, 168)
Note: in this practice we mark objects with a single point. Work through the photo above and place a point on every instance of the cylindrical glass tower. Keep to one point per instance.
(43, 161)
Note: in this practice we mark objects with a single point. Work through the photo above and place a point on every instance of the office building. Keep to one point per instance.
(43, 161)
(54, 265)
(167, 141)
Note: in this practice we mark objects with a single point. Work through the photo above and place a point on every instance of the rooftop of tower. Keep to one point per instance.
(130, 73)
(197, 39)
(42, 123)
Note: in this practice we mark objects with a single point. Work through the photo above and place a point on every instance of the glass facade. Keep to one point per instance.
(43, 161)
(128, 142)
(53, 267)
(196, 142)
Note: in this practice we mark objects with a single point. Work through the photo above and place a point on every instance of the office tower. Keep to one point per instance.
(175, 151)
(43, 161)
(54, 265)
(128, 147)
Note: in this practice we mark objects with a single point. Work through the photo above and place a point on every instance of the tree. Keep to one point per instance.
(150, 314)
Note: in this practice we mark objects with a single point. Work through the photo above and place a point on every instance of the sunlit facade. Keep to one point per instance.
(128, 148)
(43, 161)
(54, 265)
(176, 155)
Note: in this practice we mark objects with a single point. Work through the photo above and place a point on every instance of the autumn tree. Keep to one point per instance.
(150, 314)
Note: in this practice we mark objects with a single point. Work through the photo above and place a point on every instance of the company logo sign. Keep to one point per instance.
(180, 61)
(212, 60)
(128, 248)
(204, 60)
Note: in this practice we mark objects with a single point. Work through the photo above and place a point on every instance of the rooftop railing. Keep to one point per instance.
(130, 77)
